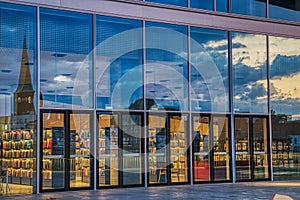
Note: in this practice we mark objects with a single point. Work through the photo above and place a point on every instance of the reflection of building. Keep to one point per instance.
(24, 94)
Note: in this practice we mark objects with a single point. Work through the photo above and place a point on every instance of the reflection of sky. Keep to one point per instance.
(209, 50)
(204, 4)
(65, 43)
(118, 62)
(285, 75)
(278, 12)
(249, 72)
(249, 7)
(12, 31)
(171, 2)
(166, 64)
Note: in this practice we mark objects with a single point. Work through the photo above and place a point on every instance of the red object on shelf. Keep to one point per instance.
(201, 170)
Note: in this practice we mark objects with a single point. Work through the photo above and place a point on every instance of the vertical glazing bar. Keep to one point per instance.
(215, 5)
(269, 110)
(145, 104)
(94, 54)
(190, 108)
(229, 6)
(267, 7)
(38, 136)
(233, 166)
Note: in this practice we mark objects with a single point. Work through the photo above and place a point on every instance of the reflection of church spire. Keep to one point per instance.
(23, 96)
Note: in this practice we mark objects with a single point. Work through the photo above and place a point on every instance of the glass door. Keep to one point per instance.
(66, 161)
(53, 151)
(178, 134)
(211, 157)
(252, 151)
(201, 148)
(242, 148)
(108, 150)
(157, 149)
(131, 127)
(260, 149)
(80, 150)
(221, 155)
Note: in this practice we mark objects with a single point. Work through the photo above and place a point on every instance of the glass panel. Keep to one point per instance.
(209, 50)
(260, 148)
(242, 148)
(249, 7)
(132, 149)
(221, 148)
(166, 67)
(285, 107)
(80, 161)
(283, 9)
(203, 4)
(53, 158)
(171, 2)
(249, 73)
(178, 148)
(201, 148)
(222, 5)
(119, 72)
(66, 67)
(108, 150)
(18, 98)
(157, 153)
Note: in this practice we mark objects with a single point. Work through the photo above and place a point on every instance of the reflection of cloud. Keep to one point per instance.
(284, 70)
(286, 87)
(61, 78)
(284, 47)
(249, 49)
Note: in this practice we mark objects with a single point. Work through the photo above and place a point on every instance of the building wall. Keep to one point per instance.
(116, 56)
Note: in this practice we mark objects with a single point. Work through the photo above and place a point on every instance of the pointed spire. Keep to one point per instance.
(25, 84)
(24, 94)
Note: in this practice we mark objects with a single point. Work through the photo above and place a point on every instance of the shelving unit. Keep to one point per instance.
(17, 155)
(178, 157)
(282, 153)
(108, 156)
(80, 155)
(157, 157)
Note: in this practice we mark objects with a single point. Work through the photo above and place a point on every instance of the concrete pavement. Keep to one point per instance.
(234, 191)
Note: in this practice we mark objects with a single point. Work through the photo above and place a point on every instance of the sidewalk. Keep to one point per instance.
(235, 191)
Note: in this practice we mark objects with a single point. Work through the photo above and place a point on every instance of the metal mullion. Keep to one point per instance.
(214, 5)
(145, 105)
(267, 9)
(233, 164)
(211, 143)
(251, 148)
(168, 153)
(95, 116)
(38, 132)
(120, 151)
(270, 134)
(190, 128)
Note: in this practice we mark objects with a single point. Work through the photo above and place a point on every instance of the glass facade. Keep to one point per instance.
(172, 2)
(209, 50)
(286, 10)
(119, 70)
(18, 96)
(66, 43)
(285, 105)
(249, 71)
(166, 67)
(249, 7)
(125, 101)
(206, 4)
